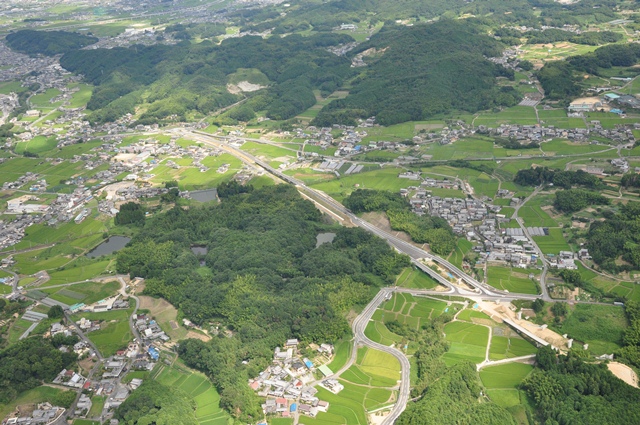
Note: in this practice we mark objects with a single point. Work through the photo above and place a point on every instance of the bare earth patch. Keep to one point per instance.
(624, 372)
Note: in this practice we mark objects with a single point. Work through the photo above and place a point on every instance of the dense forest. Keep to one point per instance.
(264, 281)
(47, 43)
(569, 391)
(27, 363)
(443, 69)
(154, 403)
(423, 229)
(560, 178)
(630, 353)
(185, 78)
(573, 200)
(559, 78)
(617, 238)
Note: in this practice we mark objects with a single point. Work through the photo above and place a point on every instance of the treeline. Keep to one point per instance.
(176, 80)
(630, 180)
(155, 403)
(630, 353)
(573, 200)
(559, 78)
(367, 200)
(29, 362)
(423, 229)
(569, 391)
(130, 213)
(49, 43)
(265, 280)
(618, 237)
(443, 69)
(448, 395)
(564, 179)
(553, 35)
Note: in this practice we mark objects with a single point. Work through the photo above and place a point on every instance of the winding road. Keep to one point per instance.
(480, 289)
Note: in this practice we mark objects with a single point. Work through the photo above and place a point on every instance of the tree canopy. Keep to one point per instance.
(27, 363)
(443, 69)
(264, 281)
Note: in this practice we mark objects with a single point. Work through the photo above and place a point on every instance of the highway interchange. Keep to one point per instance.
(479, 291)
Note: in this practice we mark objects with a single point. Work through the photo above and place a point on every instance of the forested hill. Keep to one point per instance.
(48, 43)
(176, 80)
(421, 71)
(265, 279)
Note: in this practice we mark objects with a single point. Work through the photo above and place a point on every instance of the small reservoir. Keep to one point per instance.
(199, 250)
(324, 238)
(111, 245)
(204, 195)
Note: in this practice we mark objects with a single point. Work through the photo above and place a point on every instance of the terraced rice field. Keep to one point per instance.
(200, 388)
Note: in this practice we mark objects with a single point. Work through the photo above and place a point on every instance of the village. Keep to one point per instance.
(288, 383)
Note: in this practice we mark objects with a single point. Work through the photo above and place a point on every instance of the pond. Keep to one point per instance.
(324, 238)
(111, 245)
(204, 195)
(199, 250)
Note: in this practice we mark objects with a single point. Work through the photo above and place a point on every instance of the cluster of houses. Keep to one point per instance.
(44, 414)
(149, 328)
(70, 378)
(566, 259)
(284, 383)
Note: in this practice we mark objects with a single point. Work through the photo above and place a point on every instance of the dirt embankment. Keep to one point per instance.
(624, 372)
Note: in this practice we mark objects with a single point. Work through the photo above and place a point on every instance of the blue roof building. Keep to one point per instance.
(293, 407)
(153, 353)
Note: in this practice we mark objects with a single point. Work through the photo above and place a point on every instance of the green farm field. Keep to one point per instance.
(554, 243)
(199, 388)
(88, 292)
(512, 280)
(468, 342)
(502, 381)
(383, 179)
(601, 326)
(505, 348)
(414, 278)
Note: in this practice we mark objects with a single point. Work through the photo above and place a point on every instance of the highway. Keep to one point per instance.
(480, 290)
(358, 326)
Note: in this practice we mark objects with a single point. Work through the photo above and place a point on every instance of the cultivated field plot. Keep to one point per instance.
(554, 51)
(414, 278)
(601, 326)
(501, 383)
(565, 147)
(558, 118)
(268, 151)
(366, 387)
(81, 97)
(468, 342)
(512, 280)
(534, 216)
(383, 179)
(373, 368)
(309, 176)
(165, 315)
(554, 243)
(462, 149)
(200, 388)
(341, 356)
(191, 178)
(503, 347)
(86, 292)
(115, 333)
(468, 315)
(524, 115)
(463, 246)
(410, 310)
